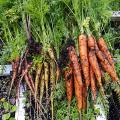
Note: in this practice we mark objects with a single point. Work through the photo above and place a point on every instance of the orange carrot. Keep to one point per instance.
(84, 97)
(77, 76)
(93, 86)
(91, 42)
(103, 47)
(106, 65)
(109, 70)
(83, 51)
(69, 84)
(95, 67)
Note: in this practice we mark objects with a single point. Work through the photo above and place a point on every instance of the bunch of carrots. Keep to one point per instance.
(87, 70)
(40, 80)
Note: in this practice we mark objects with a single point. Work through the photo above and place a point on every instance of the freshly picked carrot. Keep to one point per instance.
(84, 97)
(31, 80)
(26, 78)
(38, 72)
(96, 69)
(69, 84)
(106, 65)
(91, 42)
(103, 47)
(83, 51)
(52, 85)
(77, 76)
(92, 84)
(42, 84)
(15, 64)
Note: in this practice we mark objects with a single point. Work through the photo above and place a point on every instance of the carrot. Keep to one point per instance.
(18, 90)
(57, 73)
(83, 51)
(95, 67)
(109, 70)
(106, 65)
(27, 67)
(38, 71)
(103, 47)
(15, 64)
(69, 84)
(46, 71)
(42, 87)
(92, 81)
(91, 42)
(31, 80)
(52, 83)
(52, 56)
(28, 82)
(77, 76)
(84, 97)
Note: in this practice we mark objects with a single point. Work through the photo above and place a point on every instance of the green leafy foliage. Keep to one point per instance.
(8, 108)
(13, 47)
(6, 116)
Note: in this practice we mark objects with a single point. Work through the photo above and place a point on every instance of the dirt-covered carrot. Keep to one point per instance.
(83, 51)
(69, 83)
(106, 65)
(96, 69)
(84, 97)
(77, 76)
(91, 42)
(103, 47)
(92, 83)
